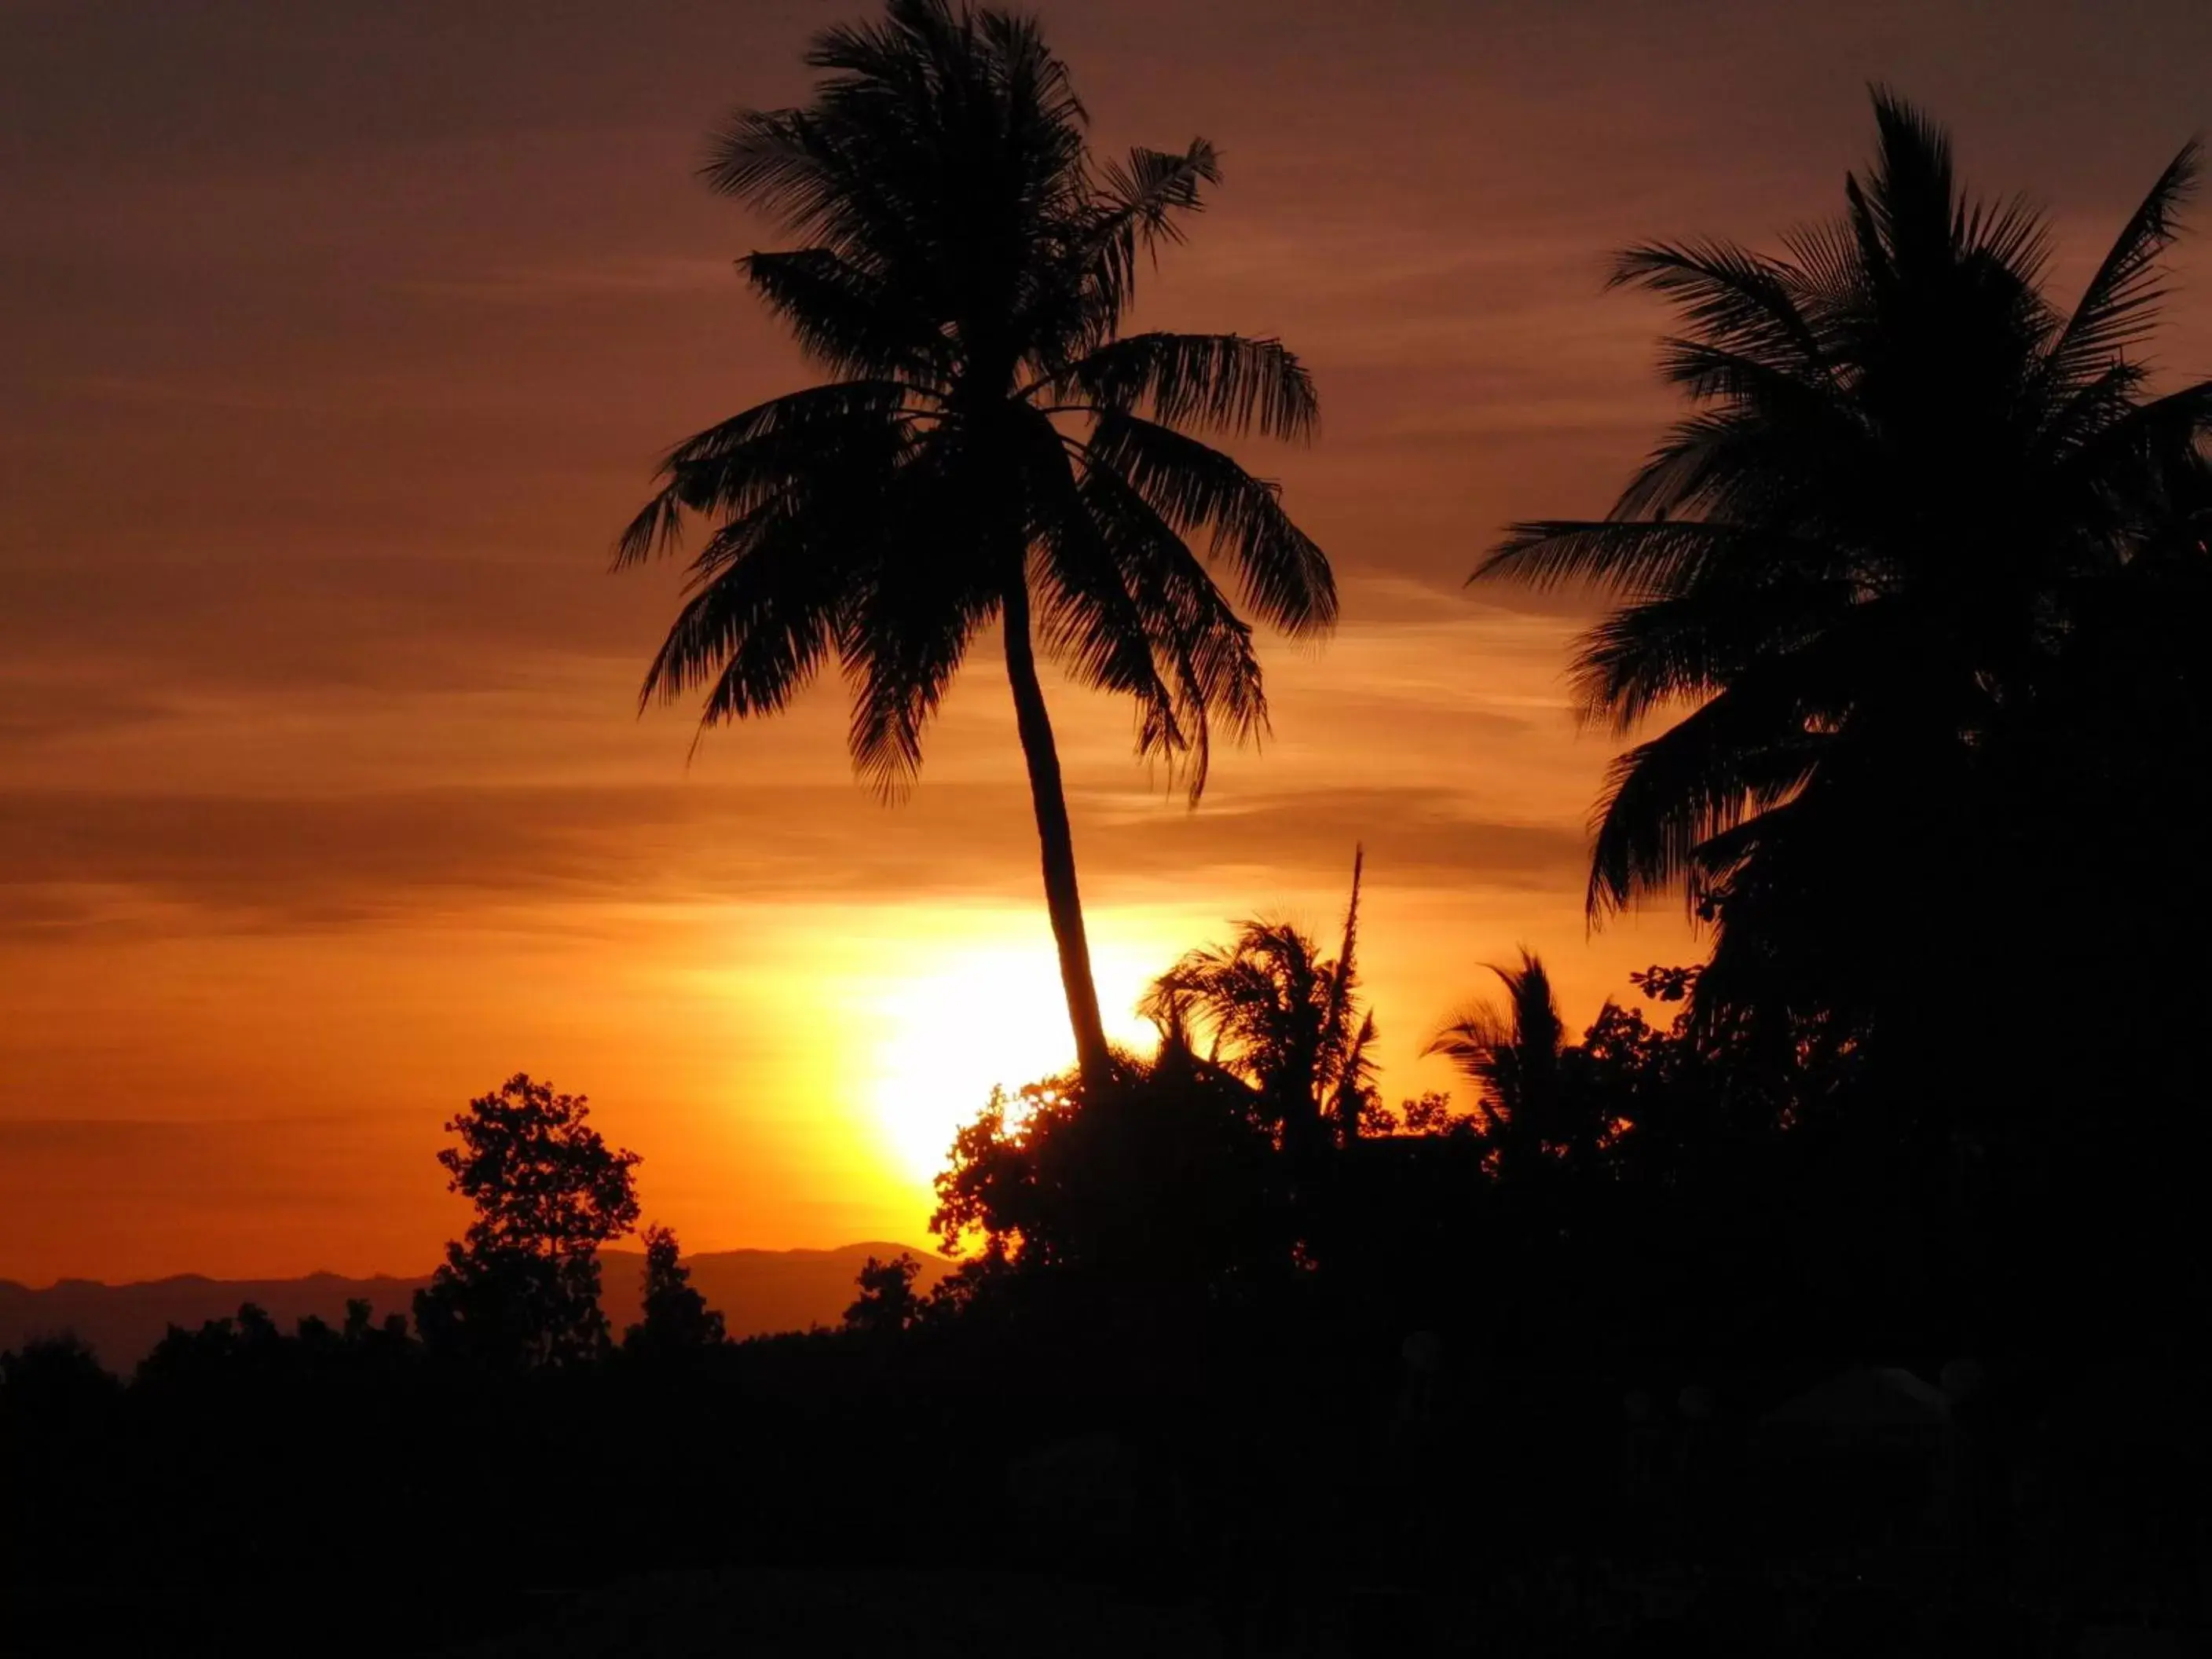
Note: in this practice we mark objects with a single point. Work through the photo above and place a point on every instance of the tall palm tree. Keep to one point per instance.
(989, 447)
(1859, 560)
(1514, 1057)
(1281, 1016)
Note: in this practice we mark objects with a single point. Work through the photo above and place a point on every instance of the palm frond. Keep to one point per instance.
(2118, 310)
(1634, 557)
(779, 163)
(1088, 622)
(1194, 488)
(763, 615)
(1736, 755)
(1136, 210)
(1221, 382)
(1199, 640)
(1756, 460)
(1909, 206)
(1699, 639)
(1511, 1055)
(1537, 1026)
(902, 639)
(734, 465)
(1705, 372)
(2143, 449)
(1737, 301)
(847, 318)
(2009, 241)
(2090, 408)
(1473, 1040)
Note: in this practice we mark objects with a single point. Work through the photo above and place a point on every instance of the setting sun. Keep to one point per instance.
(977, 1005)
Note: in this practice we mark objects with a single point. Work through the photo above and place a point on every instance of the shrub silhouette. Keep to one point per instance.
(886, 1303)
(676, 1317)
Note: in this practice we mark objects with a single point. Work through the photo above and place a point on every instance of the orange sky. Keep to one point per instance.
(337, 341)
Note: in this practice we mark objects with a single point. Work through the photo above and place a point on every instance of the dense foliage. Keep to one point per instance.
(1923, 582)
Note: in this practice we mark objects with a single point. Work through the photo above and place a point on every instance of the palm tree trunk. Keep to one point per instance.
(1062, 901)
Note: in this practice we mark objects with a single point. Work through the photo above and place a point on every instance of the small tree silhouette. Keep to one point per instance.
(522, 1287)
(887, 1304)
(676, 1317)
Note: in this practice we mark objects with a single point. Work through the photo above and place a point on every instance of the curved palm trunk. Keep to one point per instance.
(1061, 900)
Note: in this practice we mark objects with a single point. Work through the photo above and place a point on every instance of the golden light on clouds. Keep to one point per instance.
(324, 802)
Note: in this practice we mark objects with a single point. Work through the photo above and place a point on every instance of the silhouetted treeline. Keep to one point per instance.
(1541, 1344)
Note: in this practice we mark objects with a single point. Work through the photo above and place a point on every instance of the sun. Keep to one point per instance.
(984, 1008)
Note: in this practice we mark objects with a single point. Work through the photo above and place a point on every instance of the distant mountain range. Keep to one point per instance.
(757, 1291)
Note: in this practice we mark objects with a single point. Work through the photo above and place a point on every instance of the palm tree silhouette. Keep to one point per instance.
(1281, 1016)
(991, 448)
(1857, 561)
(1514, 1058)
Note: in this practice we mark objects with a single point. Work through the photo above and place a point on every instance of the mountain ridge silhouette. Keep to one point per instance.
(757, 1292)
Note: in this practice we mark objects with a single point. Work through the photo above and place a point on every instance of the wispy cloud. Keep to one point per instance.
(626, 276)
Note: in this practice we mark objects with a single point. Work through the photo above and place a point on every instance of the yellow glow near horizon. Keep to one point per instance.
(980, 1005)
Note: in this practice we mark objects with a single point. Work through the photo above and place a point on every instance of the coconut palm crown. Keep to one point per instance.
(1858, 562)
(1514, 1058)
(988, 447)
(1285, 1018)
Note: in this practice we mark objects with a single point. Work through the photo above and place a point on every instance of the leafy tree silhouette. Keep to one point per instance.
(887, 1304)
(1174, 1192)
(60, 1369)
(991, 448)
(676, 1317)
(521, 1287)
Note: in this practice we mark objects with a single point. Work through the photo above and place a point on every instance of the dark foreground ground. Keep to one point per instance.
(954, 1615)
(933, 1615)
(736, 1614)
(1572, 1610)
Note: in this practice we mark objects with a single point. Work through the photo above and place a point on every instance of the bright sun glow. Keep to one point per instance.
(984, 1008)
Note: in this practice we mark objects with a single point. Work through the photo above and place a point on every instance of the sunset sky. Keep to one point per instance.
(337, 341)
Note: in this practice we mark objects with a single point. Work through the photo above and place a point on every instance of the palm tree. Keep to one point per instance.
(1860, 561)
(1281, 1016)
(990, 445)
(1514, 1057)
